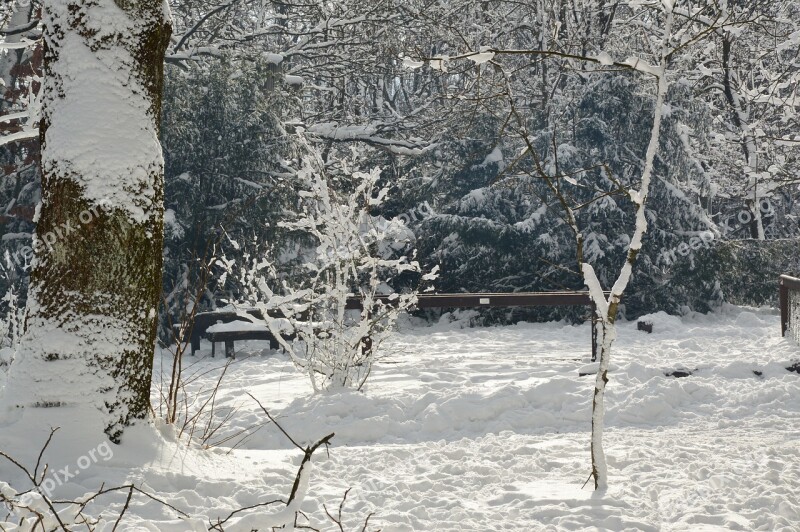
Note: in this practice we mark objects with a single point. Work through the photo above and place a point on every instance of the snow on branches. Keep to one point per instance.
(333, 322)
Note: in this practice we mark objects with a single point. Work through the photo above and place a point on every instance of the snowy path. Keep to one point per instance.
(487, 429)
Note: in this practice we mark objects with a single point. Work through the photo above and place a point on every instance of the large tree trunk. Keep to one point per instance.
(96, 281)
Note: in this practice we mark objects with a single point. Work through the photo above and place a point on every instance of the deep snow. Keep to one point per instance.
(488, 429)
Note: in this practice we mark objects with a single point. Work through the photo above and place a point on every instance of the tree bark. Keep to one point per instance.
(96, 281)
(740, 117)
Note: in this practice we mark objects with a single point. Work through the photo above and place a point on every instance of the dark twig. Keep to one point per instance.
(366, 523)
(32, 478)
(309, 452)
(41, 453)
(132, 489)
(338, 519)
(124, 509)
(276, 423)
(218, 524)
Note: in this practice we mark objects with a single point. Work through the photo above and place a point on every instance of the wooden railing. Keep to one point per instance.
(492, 300)
(485, 299)
(789, 301)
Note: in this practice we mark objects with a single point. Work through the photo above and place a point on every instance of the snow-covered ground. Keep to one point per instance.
(488, 429)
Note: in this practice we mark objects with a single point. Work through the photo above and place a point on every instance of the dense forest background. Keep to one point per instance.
(445, 97)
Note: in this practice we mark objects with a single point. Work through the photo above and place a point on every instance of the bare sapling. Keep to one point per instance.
(333, 323)
(606, 303)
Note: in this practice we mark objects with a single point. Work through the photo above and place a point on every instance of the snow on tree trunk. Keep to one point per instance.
(607, 308)
(96, 280)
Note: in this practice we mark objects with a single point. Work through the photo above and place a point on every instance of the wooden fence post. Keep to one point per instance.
(594, 332)
(783, 296)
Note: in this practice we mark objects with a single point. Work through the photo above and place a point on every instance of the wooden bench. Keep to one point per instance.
(229, 337)
(204, 320)
(232, 333)
(244, 329)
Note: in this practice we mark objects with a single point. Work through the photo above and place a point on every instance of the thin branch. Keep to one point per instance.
(309, 452)
(41, 453)
(276, 423)
(124, 509)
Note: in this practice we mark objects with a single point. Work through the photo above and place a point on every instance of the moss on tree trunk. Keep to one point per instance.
(97, 277)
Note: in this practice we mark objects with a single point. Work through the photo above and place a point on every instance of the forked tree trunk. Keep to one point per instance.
(96, 281)
(607, 308)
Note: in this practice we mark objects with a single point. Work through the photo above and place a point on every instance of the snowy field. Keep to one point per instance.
(488, 429)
